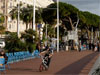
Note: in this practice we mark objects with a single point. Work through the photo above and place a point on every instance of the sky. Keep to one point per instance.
(92, 6)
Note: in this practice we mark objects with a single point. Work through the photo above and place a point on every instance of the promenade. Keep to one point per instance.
(62, 63)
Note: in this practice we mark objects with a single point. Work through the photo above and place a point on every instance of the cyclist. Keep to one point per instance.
(48, 53)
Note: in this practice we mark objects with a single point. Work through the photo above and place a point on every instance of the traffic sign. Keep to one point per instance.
(39, 26)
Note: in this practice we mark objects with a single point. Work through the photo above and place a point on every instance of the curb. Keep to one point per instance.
(95, 66)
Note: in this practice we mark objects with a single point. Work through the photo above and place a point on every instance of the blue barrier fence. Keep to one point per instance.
(24, 55)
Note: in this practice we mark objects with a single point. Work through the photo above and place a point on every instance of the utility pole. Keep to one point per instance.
(99, 34)
(5, 11)
(18, 19)
(34, 3)
(57, 25)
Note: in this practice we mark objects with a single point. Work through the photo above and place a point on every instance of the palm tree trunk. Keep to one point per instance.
(26, 26)
(32, 24)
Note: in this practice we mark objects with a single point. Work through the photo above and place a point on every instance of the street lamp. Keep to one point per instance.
(18, 19)
(57, 25)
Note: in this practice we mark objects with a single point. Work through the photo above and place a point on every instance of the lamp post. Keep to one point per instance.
(18, 19)
(57, 25)
(34, 3)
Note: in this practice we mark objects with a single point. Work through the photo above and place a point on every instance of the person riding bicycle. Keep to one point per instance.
(48, 53)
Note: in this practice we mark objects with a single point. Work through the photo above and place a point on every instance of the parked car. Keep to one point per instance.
(2, 44)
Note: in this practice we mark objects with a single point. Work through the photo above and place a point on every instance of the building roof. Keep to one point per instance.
(39, 3)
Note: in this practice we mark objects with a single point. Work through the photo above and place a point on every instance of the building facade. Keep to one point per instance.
(7, 5)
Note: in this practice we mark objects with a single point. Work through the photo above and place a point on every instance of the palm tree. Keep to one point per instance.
(26, 15)
(14, 13)
(39, 18)
(50, 30)
(28, 37)
(1, 19)
(2, 30)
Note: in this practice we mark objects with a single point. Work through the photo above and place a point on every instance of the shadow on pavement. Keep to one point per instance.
(76, 67)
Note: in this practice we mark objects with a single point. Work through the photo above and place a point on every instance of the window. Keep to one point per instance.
(2, 6)
(14, 21)
(9, 26)
(3, 11)
(1, 43)
(10, 5)
(1, 0)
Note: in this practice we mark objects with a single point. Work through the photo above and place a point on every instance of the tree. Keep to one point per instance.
(1, 19)
(88, 21)
(2, 29)
(26, 15)
(30, 41)
(50, 30)
(39, 18)
(68, 14)
(91, 19)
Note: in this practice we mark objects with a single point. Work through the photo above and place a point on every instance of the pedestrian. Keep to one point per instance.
(38, 47)
(76, 46)
(89, 45)
(3, 54)
(98, 47)
(80, 46)
(93, 46)
(43, 46)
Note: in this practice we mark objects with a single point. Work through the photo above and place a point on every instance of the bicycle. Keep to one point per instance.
(43, 65)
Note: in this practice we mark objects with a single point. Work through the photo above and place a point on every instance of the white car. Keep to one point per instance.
(2, 44)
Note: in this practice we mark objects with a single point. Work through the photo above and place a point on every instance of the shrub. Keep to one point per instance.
(30, 41)
(14, 44)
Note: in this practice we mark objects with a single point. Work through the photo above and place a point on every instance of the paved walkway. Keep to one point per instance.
(63, 63)
(95, 66)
